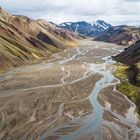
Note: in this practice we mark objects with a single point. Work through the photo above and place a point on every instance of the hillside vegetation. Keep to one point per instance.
(129, 73)
(131, 91)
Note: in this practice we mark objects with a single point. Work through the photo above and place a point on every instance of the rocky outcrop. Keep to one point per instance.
(130, 55)
(132, 73)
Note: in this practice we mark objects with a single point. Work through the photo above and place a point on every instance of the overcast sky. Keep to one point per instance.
(115, 12)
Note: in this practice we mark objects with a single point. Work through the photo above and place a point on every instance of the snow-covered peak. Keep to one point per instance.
(66, 24)
(100, 24)
(91, 28)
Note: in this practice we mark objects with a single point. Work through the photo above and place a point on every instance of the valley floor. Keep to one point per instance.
(71, 96)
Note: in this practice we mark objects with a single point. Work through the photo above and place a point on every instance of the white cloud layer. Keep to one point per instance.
(115, 12)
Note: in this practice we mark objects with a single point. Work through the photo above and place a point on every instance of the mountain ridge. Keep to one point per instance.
(121, 35)
(130, 56)
(23, 39)
(86, 28)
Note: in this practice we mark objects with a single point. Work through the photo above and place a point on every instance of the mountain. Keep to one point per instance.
(85, 28)
(121, 35)
(23, 39)
(130, 75)
(130, 56)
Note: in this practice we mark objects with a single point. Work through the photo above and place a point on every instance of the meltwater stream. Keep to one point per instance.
(96, 120)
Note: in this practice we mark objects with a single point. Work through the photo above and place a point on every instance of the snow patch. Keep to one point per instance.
(77, 26)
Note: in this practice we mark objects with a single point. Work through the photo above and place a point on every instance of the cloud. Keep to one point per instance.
(113, 11)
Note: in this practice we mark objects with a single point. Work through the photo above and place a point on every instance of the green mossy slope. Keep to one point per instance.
(131, 91)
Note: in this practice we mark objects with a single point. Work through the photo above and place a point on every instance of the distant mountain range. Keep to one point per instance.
(86, 28)
(121, 35)
(102, 31)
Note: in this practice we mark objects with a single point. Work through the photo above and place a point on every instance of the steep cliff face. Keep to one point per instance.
(130, 56)
(129, 74)
(23, 39)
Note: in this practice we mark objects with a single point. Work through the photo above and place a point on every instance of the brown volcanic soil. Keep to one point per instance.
(51, 99)
(23, 39)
